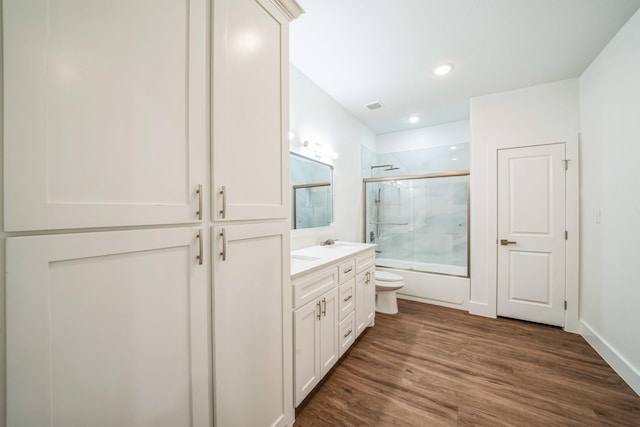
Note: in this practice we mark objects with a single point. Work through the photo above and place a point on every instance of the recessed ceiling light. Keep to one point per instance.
(443, 69)
(414, 119)
(453, 158)
(453, 147)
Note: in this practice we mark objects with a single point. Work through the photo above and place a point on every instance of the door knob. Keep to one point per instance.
(505, 242)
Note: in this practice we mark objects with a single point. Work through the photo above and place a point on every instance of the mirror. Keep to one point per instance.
(311, 193)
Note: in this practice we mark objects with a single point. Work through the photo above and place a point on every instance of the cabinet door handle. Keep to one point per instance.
(348, 298)
(200, 256)
(348, 270)
(368, 277)
(324, 306)
(223, 193)
(199, 192)
(223, 254)
(348, 333)
(318, 309)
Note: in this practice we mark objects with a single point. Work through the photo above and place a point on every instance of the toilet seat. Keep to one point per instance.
(385, 276)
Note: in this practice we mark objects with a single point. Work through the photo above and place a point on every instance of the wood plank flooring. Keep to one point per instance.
(434, 366)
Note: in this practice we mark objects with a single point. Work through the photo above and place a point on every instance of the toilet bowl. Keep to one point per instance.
(386, 286)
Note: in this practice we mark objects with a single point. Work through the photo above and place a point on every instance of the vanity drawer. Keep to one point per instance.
(365, 261)
(347, 270)
(347, 295)
(347, 331)
(310, 286)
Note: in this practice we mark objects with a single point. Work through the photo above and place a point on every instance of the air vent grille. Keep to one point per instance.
(374, 105)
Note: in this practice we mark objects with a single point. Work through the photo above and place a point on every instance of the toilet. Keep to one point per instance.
(386, 286)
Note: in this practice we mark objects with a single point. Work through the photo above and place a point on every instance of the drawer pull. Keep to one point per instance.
(348, 270)
(348, 298)
(348, 333)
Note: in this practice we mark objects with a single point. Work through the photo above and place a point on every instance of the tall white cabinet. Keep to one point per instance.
(148, 138)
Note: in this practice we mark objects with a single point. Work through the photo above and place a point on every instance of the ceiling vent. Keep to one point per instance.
(374, 105)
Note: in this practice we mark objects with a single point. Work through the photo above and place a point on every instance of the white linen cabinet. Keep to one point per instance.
(107, 118)
(253, 360)
(108, 329)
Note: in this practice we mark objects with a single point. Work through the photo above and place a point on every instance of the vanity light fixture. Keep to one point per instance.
(319, 150)
(443, 69)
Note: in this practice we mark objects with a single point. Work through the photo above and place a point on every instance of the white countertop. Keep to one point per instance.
(315, 257)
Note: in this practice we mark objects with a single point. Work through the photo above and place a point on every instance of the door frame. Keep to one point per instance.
(572, 212)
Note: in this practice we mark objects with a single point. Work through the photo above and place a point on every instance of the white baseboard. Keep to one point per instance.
(619, 364)
(482, 309)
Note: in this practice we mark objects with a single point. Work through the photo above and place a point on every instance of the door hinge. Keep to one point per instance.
(565, 305)
(566, 164)
(566, 235)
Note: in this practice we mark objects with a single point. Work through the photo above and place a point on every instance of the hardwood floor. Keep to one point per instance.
(434, 366)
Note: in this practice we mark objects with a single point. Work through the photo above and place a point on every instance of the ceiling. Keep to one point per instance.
(360, 51)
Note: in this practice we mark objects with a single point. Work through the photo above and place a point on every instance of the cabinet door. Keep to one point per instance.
(361, 315)
(250, 113)
(108, 329)
(329, 341)
(306, 330)
(106, 116)
(253, 348)
(370, 297)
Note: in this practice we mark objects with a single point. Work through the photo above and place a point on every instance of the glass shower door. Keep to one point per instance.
(419, 223)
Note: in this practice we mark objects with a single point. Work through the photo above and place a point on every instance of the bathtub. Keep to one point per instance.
(445, 289)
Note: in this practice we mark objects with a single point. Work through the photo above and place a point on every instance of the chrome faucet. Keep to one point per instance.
(328, 242)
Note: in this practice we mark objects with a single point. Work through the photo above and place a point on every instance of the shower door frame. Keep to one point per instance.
(466, 173)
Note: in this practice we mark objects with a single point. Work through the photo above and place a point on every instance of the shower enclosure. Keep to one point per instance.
(419, 222)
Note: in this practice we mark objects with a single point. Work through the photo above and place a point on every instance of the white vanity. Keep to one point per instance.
(333, 302)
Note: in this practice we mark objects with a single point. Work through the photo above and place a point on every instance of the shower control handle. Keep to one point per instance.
(505, 242)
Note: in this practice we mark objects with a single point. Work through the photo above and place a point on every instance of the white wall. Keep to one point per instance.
(426, 137)
(610, 149)
(532, 116)
(316, 117)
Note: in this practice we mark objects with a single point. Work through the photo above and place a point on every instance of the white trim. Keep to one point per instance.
(290, 8)
(619, 364)
(572, 204)
(572, 248)
(482, 309)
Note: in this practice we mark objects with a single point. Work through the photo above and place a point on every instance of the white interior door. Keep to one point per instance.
(108, 329)
(105, 112)
(252, 323)
(531, 233)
